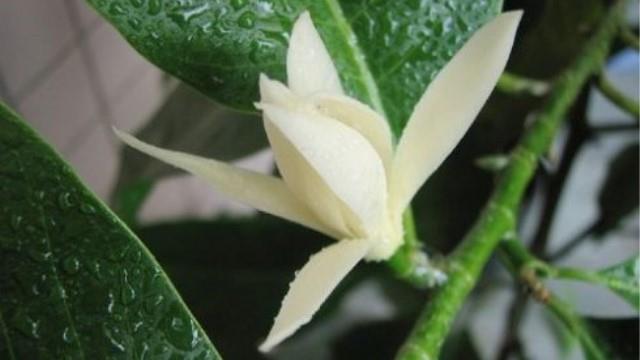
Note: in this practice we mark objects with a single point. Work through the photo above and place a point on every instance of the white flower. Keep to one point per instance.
(340, 172)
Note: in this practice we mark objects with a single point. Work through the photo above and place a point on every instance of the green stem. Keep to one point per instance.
(619, 99)
(515, 84)
(498, 217)
(578, 328)
(527, 267)
(410, 263)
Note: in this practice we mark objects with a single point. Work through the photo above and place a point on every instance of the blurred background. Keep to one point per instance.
(73, 77)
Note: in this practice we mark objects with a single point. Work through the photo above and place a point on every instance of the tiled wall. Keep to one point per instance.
(72, 76)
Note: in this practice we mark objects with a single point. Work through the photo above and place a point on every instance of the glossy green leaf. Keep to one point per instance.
(232, 273)
(75, 283)
(220, 46)
(624, 279)
(189, 122)
(231, 269)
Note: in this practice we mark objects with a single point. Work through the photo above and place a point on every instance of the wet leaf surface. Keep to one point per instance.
(220, 47)
(75, 283)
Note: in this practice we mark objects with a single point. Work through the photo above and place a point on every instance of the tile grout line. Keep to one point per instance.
(46, 71)
(105, 114)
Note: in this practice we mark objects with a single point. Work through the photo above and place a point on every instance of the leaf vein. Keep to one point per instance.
(357, 55)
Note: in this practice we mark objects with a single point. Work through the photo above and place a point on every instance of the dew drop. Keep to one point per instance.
(16, 220)
(71, 265)
(152, 303)
(137, 3)
(134, 23)
(95, 269)
(39, 255)
(128, 293)
(115, 338)
(237, 4)
(247, 20)
(154, 8)
(64, 201)
(181, 332)
(26, 325)
(116, 9)
(182, 17)
(110, 303)
(144, 352)
(88, 209)
(67, 335)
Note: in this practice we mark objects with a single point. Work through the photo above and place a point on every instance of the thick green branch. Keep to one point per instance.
(619, 99)
(498, 217)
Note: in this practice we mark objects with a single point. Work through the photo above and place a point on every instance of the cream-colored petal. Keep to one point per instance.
(449, 106)
(275, 92)
(311, 287)
(307, 185)
(343, 158)
(309, 66)
(361, 118)
(265, 193)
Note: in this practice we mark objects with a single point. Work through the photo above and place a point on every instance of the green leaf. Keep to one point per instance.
(372, 340)
(262, 254)
(618, 336)
(190, 122)
(233, 273)
(220, 46)
(619, 195)
(624, 279)
(75, 282)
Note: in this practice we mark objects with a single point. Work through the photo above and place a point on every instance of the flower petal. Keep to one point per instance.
(343, 158)
(309, 66)
(265, 193)
(449, 106)
(307, 185)
(275, 92)
(311, 287)
(361, 118)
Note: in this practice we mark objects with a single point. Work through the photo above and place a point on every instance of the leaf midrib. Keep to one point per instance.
(357, 56)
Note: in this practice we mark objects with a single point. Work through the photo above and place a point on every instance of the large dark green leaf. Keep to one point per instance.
(386, 51)
(75, 283)
(624, 279)
(190, 122)
(233, 274)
